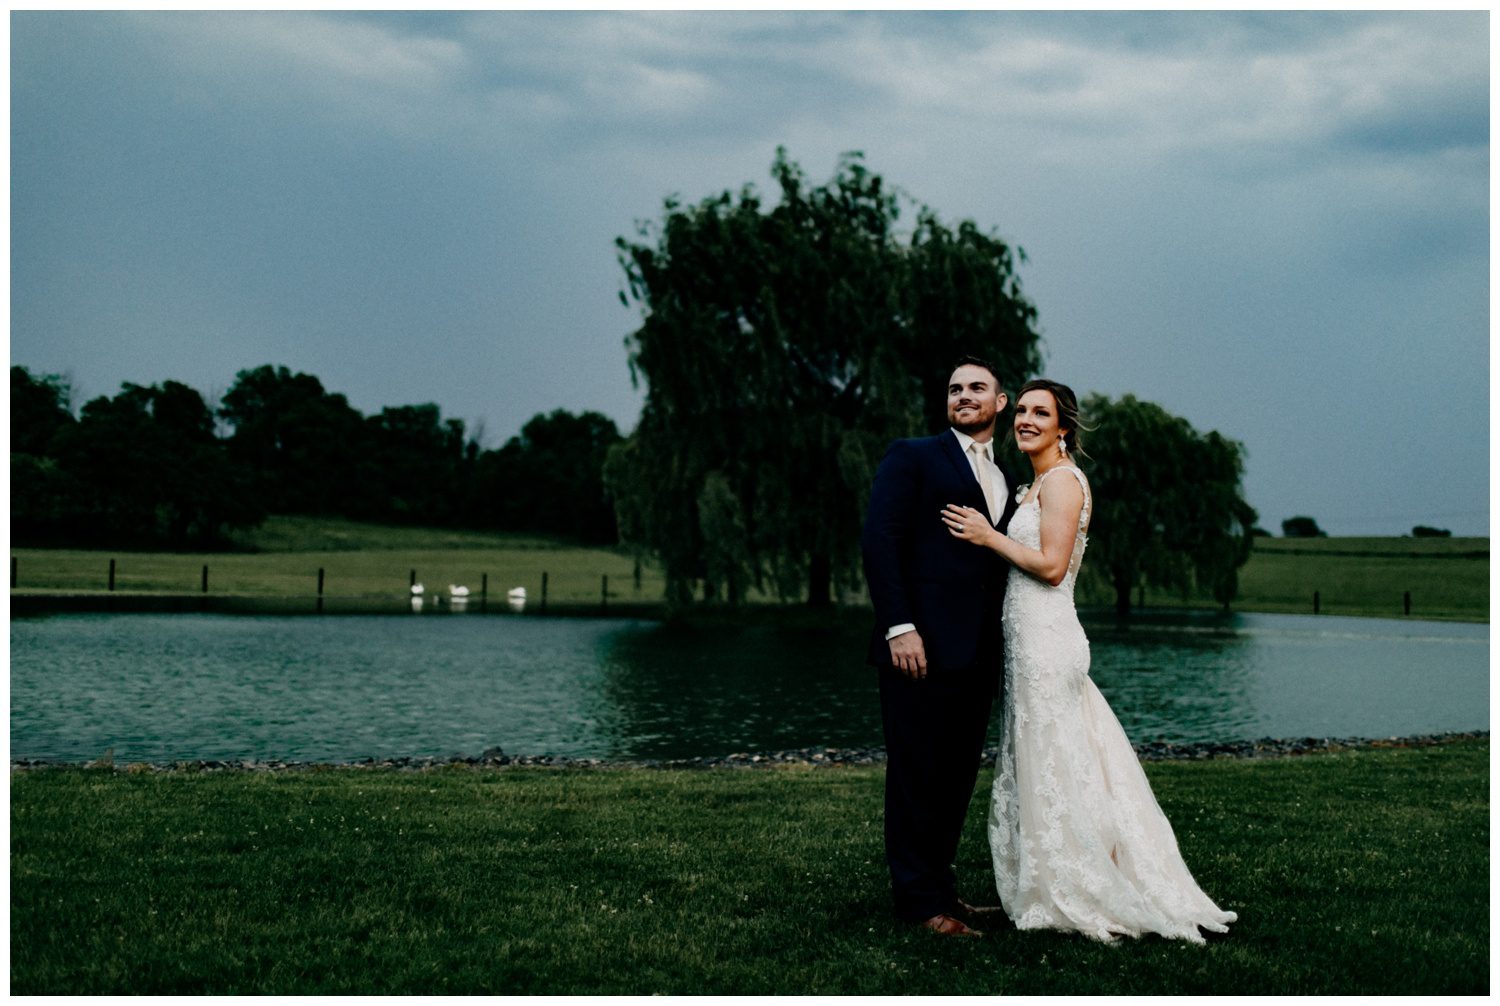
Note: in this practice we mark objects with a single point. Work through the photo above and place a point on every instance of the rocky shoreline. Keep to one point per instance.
(815, 757)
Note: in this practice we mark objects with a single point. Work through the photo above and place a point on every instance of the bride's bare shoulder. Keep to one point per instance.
(1062, 489)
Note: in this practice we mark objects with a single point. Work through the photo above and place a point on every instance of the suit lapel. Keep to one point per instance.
(960, 462)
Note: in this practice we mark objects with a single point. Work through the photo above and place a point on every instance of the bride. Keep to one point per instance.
(1078, 840)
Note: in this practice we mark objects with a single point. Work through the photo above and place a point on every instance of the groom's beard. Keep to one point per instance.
(975, 428)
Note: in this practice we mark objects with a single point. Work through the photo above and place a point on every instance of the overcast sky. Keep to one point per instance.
(1274, 225)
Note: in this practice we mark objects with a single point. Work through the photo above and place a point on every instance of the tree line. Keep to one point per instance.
(783, 345)
(148, 467)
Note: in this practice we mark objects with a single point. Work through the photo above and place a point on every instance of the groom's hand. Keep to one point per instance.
(909, 655)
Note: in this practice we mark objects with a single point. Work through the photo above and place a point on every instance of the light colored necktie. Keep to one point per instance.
(982, 473)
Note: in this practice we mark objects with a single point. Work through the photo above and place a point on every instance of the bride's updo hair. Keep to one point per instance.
(1067, 412)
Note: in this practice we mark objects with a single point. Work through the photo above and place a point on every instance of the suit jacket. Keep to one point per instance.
(917, 572)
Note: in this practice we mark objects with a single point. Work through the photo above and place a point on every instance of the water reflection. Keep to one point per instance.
(1253, 676)
(1170, 684)
(673, 689)
(163, 687)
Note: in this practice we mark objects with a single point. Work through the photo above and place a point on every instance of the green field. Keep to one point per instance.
(365, 565)
(1362, 872)
(362, 563)
(1448, 578)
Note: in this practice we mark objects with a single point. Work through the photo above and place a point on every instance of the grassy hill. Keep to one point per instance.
(371, 565)
(364, 564)
(1448, 578)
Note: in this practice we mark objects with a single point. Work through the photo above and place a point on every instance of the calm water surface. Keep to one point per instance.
(188, 686)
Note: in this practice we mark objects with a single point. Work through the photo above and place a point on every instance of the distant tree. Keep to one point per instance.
(304, 447)
(1169, 510)
(414, 458)
(1423, 531)
(549, 479)
(1259, 532)
(38, 410)
(41, 493)
(145, 467)
(1302, 527)
(43, 507)
(783, 347)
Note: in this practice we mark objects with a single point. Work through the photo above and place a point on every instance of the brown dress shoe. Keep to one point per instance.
(947, 925)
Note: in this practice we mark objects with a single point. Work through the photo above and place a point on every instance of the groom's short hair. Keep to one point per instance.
(974, 361)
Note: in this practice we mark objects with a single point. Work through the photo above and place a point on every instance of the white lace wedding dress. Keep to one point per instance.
(1077, 837)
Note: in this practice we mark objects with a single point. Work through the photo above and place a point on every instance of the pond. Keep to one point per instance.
(341, 688)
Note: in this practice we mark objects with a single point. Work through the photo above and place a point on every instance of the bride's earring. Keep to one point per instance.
(1062, 445)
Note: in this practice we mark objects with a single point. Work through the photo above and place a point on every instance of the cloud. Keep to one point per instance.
(339, 70)
(1138, 90)
(1235, 89)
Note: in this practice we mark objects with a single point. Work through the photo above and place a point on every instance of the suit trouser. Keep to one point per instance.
(935, 730)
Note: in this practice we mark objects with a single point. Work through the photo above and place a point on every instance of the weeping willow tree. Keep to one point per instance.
(782, 348)
(1169, 511)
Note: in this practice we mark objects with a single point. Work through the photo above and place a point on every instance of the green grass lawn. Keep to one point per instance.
(1358, 872)
(371, 564)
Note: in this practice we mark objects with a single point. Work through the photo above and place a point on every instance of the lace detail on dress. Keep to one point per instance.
(1077, 838)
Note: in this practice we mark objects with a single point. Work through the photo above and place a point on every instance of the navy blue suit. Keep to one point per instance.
(935, 727)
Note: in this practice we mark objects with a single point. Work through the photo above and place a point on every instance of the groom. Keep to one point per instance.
(938, 641)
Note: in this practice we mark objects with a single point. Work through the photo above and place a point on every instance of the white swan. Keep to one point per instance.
(458, 591)
(516, 594)
(416, 590)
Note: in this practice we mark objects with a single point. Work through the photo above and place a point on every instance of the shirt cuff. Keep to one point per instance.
(900, 630)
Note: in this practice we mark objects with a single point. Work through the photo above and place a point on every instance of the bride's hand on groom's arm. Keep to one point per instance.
(968, 524)
(1060, 508)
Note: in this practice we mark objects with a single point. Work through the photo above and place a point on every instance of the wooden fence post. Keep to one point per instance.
(604, 592)
(543, 606)
(12, 572)
(484, 591)
(1406, 602)
(1316, 604)
(205, 579)
(111, 574)
(320, 589)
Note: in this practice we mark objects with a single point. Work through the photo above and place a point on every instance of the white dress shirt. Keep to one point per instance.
(997, 483)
